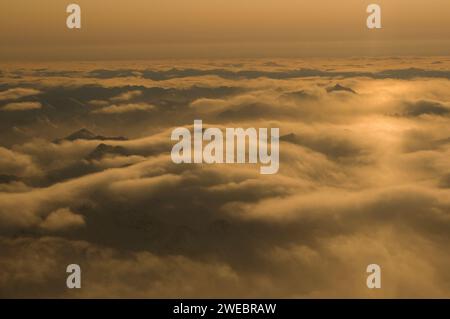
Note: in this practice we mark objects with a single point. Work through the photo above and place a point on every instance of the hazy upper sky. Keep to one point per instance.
(221, 28)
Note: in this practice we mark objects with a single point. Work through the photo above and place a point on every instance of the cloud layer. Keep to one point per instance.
(364, 178)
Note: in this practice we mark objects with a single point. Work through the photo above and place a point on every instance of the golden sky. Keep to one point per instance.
(224, 28)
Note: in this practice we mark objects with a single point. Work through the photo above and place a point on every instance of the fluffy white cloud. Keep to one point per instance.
(124, 108)
(62, 219)
(126, 96)
(16, 93)
(21, 106)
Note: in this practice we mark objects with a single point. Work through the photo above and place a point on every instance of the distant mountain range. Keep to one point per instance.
(85, 134)
(103, 149)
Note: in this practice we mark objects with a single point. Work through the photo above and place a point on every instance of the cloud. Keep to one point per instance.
(124, 108)
(62, 219)
(16, 163)
(16, 93)
(160, 75)
(21, 106)
(98, 102)
(424, 107)
(163, 274)
(126, 96)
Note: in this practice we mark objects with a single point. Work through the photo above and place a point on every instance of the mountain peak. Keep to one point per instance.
(85, 134)
(82, 134)
(339, 87)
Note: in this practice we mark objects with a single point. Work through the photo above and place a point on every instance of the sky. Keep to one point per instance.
(139, 29)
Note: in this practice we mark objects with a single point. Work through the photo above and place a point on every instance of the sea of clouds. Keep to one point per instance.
(364, 178)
